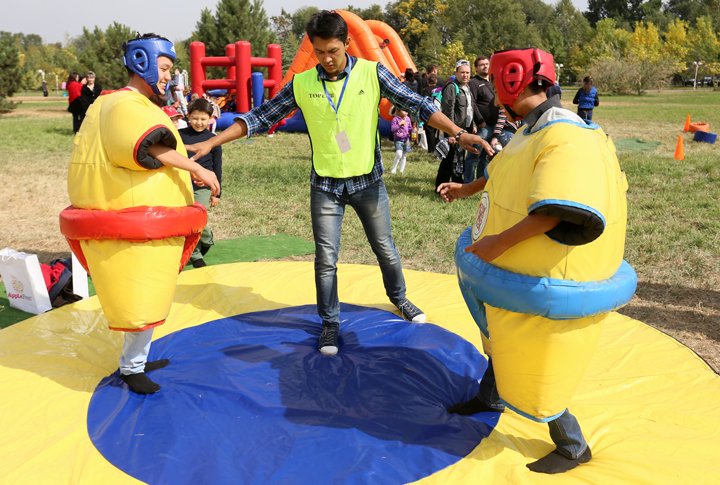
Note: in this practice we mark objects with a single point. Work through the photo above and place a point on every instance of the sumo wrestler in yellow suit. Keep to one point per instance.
(543, 264)
(132, 221)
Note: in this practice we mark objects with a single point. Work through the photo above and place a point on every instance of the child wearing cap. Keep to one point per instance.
(175, 116)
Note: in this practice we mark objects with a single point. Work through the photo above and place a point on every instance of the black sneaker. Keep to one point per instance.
(328, 342)
(198, 263)
(409, 311)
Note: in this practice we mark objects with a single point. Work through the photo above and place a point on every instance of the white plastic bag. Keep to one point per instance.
(422, 139)
(24, 281)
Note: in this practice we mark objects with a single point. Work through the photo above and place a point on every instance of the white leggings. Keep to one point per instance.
(135, 351)
(401, 159)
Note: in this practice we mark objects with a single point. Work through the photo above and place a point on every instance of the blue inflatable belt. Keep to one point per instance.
(551, 298)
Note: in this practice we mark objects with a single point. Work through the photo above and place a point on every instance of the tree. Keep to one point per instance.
(373, 12)
(206, 31)
(653, 12)
(608, 42)
(648, 56)
(573, 27)
(9, 69)
(101, 50)
(691, 10)
(485, 26)
(704, 45)
(676, 46)
(625, 12)
(234, 20)
(289, 42)
(9, 65)
(449, 55)
(428, 52)
(417, 17)
(300, 19)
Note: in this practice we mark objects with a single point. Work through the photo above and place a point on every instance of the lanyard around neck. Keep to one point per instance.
(342, 92)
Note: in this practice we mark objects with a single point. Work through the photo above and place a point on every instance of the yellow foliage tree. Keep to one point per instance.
(418, 16)
(676, 46)
(645, 43)
(450, 54)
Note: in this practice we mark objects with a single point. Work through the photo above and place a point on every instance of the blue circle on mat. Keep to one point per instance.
(249, 399)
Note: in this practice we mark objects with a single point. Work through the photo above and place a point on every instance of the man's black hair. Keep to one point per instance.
(327, 24)
(480, 58)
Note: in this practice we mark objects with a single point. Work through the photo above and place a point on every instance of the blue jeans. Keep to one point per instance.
(565, 430)
(202, 195)
(585, 114)
(327, 211)
(475, 164)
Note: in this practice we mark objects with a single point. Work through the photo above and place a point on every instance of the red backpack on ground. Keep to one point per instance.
(58, 281)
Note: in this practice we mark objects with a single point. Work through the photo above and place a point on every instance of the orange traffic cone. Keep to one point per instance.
(679, 150)
(687, 124)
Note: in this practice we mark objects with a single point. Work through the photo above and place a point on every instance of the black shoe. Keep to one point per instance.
(328, 342)
(409, 311)
(140, 383)
(199, 263)
(557, 463)
(156, 364)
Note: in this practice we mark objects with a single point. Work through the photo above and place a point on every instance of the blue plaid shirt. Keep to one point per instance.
(260, 119)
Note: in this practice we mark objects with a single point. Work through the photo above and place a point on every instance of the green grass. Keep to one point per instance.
(674, 208)
(673, 237)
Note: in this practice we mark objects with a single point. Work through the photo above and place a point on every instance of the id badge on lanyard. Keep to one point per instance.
(341, 137)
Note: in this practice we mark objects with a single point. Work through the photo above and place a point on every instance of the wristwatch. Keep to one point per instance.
(457, 135)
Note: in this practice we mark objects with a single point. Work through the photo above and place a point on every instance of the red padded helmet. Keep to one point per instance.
(514, 70)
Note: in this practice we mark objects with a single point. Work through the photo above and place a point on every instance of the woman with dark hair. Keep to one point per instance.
(77, 105)
(586, 98)
(410, 80)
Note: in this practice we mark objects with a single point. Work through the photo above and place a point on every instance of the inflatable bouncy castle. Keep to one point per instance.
(369, 39)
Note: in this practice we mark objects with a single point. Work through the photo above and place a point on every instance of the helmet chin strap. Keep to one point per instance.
(155, 89)
(509, 110)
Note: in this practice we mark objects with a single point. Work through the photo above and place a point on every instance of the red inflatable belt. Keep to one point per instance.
(136, 224)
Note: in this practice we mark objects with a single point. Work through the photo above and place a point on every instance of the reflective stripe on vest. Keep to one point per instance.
(357, 117)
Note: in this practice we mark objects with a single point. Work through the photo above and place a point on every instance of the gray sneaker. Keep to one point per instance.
(328, 343)
(409, 311)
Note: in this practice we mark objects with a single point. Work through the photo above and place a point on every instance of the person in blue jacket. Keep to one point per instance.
(586, 98)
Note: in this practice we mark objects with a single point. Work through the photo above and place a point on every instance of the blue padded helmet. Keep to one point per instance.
(141, 57)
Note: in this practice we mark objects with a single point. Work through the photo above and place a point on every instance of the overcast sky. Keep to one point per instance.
(175, 19)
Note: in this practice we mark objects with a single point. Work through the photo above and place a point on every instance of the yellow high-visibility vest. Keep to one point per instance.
(357, 117)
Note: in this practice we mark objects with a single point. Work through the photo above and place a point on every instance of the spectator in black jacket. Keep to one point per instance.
(493, 125)
(199, 113)
(458, 105)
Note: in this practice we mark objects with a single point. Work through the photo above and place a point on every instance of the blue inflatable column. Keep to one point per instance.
(258, 89)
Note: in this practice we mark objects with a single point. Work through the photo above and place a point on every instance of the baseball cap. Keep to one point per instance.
(462, 62)
(171, 111)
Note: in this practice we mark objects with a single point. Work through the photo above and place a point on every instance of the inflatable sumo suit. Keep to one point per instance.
(132, 223)
(540, 304)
